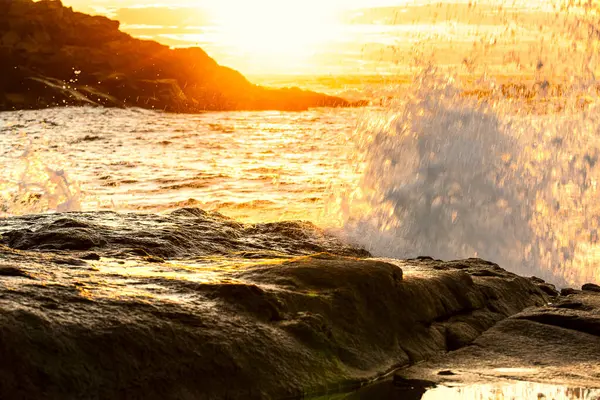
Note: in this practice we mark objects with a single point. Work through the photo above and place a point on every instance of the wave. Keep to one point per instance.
(451, 175)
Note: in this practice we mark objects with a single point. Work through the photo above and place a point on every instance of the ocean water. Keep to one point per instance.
(253, 166)
(439, 169)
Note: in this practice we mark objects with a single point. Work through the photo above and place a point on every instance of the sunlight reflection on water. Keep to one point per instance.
(516, 390)
(512, 391)
(254, 166)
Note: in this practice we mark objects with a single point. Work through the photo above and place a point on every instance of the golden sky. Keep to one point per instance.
(261, 37)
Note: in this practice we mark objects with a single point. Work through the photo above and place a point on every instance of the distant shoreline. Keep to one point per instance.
(53, 56)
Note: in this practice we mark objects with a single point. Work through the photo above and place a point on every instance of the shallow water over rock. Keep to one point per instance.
(506, 390)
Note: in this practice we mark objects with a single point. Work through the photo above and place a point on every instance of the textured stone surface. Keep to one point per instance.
(557, 344)
(194, 305)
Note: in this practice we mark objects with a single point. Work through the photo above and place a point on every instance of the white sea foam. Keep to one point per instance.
(450, 175)
(29, 184)
(504, 172)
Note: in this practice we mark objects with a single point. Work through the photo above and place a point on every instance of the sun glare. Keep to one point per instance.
(275, 34)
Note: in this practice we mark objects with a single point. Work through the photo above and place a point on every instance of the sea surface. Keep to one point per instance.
(438, 169)
(253, 166)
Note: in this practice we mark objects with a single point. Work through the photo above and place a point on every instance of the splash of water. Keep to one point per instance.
(507, 172)
(510, 179)
(30, 185)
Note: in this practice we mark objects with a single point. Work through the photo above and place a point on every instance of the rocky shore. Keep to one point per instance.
(194, 305)
(558, 343)
(52, 56)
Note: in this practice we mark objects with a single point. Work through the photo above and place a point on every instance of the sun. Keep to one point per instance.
(275, 34)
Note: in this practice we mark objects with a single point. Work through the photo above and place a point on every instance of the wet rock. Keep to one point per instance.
(247, 298)
(90, 256)
(209, 323)
(460, 334)
(50, 306)
(52, 56)
(424, 258)
(312, 329)
(567, 319)
(68, 261)
(546, 287)
(153, 259)
(53, 239)
(88, 138)
(568, 291)
(446, 372)
(183, 233)
(590, 287)
(558, 343)
(549, 289)
(569, 304)
(12, 272)
(487, 272)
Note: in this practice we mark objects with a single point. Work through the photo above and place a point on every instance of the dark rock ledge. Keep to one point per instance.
(193, 305)
(557, 344)
(52, 56)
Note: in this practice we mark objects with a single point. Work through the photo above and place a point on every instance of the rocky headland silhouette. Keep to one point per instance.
(53, 56)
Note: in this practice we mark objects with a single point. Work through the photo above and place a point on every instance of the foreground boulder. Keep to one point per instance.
(53, 56)
(558, 344)
(194, 305)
